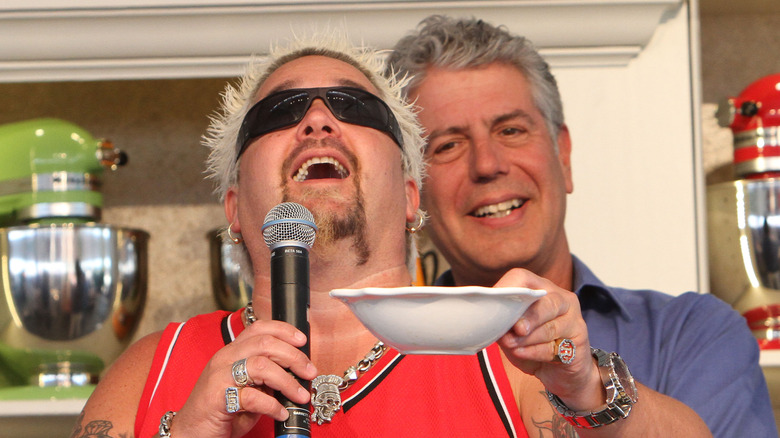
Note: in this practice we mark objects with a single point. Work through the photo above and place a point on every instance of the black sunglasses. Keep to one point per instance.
(288, 107)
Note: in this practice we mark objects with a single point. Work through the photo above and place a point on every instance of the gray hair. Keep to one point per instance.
(466, 43)
(222, 134)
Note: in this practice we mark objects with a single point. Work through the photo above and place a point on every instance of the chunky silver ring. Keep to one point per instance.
(240, 375)
(232, 401)
(564, 351)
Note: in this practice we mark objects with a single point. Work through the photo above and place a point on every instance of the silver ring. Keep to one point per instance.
(232, 401)
(564, 351)
(240, 375)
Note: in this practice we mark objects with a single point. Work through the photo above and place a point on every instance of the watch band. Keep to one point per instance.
(621, 394)
(587, 419)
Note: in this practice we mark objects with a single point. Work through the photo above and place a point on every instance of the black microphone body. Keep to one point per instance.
(290, 303)
(290, 288)
(289, 233)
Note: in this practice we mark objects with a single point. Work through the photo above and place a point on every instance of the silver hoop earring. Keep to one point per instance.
(419, 222)
(235, 239)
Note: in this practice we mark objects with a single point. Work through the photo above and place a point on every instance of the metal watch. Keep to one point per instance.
(621, 394)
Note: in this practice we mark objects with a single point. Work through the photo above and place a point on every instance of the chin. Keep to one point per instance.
(499, 262)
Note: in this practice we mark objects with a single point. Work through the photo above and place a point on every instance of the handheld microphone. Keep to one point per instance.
(289, 232)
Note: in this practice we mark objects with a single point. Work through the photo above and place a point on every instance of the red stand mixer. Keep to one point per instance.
(744, 215)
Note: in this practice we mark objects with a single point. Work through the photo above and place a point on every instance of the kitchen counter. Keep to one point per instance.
(39, 418)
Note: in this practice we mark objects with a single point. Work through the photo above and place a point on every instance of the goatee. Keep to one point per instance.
(346, 220)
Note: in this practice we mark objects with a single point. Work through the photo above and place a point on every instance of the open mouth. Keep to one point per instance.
(498, 210)
(320, 168)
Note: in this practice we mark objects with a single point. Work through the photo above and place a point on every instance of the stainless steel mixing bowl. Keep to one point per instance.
(744, 250)
(71, 294)
(230, 289)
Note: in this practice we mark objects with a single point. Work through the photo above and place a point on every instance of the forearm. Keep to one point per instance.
(653, 415)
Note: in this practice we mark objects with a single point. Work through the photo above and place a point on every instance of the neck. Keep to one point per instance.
(338, 338)
(557, 268)
(324, 310)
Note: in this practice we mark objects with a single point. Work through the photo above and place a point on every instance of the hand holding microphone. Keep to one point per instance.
(289, 231)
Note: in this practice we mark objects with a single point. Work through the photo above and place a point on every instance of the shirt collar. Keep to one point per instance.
(594, 294)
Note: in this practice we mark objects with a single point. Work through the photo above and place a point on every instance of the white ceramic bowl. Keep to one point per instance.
(438, 320)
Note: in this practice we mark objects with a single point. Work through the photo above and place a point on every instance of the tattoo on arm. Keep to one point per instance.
(96, 429)
(555, 427)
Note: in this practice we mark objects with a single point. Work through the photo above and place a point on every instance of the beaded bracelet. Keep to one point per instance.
(165, 424)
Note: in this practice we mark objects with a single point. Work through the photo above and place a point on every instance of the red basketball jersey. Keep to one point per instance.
(400, 396)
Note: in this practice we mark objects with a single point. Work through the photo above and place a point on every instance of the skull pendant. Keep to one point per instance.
(327, 398)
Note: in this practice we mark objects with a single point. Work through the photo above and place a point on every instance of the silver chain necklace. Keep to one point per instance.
(326, 389)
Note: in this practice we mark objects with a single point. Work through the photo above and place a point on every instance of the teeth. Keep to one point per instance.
(303, 171)
(498, 210)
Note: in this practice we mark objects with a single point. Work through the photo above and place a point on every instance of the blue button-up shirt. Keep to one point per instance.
(692, 347)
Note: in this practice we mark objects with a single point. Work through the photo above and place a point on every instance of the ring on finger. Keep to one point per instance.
(240, 376)
(232, 400)
(564, 351)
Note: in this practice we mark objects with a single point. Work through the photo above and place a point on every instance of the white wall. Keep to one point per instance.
(632, 216)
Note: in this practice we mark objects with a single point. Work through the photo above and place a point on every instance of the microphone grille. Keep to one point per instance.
(289, 221)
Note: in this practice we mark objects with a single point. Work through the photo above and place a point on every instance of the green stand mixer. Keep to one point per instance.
(73, 290)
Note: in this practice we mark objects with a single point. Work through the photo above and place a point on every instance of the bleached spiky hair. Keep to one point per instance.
(222, 133)
(237, 100)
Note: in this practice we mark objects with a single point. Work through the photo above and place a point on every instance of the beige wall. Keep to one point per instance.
(735, 51)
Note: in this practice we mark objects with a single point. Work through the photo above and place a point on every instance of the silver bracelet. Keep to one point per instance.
(165, 424)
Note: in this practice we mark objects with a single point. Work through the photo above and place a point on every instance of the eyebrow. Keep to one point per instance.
(516, 114)
(462, 129)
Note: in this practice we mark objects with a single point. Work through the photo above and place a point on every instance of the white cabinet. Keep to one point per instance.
(51, 40)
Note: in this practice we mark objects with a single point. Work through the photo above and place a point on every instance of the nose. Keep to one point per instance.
(487, 160)
(318, 122)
